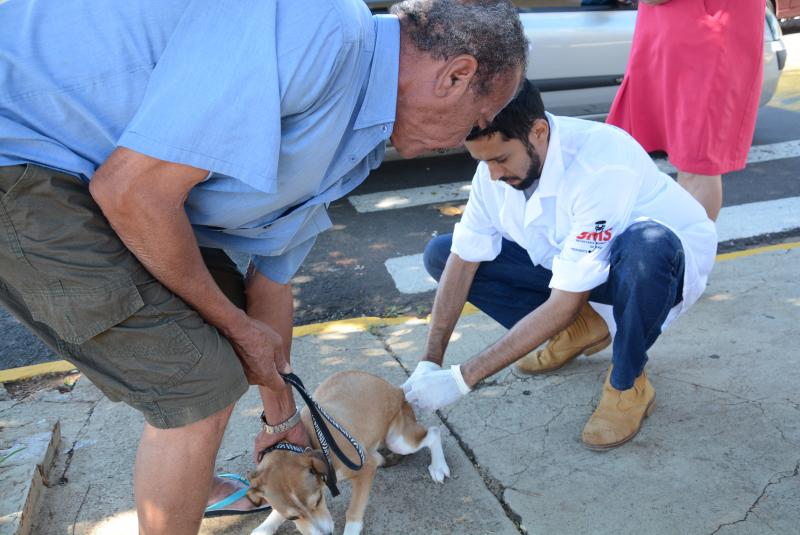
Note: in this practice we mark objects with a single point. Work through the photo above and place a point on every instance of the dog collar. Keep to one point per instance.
(283, 446)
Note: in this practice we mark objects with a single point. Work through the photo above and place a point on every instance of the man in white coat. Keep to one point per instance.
(563, 211)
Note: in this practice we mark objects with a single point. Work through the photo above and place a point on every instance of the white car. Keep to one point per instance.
(579, 52)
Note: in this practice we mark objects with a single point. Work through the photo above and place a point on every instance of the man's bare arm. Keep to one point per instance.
(450, 297)
(273, 304)
(556, 314)
(143, 199)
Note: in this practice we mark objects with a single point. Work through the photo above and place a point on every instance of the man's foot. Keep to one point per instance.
(587, 335)
(620, 414)
(228, 496)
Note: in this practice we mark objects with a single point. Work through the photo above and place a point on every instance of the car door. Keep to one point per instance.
(579, 51)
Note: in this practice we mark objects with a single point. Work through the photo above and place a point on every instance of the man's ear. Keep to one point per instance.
(456, 75)
(541, 130)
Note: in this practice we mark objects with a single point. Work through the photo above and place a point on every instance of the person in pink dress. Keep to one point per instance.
(692, 88)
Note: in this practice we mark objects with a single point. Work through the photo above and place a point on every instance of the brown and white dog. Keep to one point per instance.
(374, 412)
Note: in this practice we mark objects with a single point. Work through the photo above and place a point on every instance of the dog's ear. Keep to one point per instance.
(317, 463)
(254, 493)
(255, 496)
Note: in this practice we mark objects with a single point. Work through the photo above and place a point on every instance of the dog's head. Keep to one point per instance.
(294, 484)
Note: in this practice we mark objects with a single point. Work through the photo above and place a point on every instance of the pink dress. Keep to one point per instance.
(693, 82)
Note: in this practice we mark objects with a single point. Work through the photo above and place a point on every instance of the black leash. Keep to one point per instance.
(324, 436)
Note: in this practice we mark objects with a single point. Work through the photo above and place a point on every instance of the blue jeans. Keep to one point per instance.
(645, 281)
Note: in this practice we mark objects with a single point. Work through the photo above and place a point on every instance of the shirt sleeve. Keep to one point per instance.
(282, 268)
(475, 237)
(601, 208)
(213, 98)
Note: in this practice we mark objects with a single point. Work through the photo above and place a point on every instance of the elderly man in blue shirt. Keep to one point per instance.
(139, 139)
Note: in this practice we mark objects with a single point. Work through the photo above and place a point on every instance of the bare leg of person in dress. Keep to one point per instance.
(706, 189)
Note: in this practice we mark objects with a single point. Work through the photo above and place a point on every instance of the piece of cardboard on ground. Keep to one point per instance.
(722, 447)
(26, 456)
(31, 436)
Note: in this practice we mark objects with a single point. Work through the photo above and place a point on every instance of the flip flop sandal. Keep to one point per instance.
(220, 508)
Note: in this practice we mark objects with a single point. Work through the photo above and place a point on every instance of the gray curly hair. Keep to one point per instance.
(488, 30)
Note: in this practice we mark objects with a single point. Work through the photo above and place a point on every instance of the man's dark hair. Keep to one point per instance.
(516, 120)
(488, 30)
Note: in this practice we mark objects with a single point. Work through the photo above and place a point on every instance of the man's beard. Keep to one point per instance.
(533, 174)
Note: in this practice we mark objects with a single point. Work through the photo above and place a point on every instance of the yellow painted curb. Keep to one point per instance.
(757, 250)
(347, 325)
(27, 372)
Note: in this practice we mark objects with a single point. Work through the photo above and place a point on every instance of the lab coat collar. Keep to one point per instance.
(552, 172)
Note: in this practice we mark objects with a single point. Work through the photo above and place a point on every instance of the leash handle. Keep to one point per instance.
(318, 417)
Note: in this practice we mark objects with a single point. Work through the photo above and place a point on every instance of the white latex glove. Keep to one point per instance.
(423, 367)
(437, 389)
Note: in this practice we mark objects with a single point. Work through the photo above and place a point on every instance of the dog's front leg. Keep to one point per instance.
(362, 484)
(270, 525)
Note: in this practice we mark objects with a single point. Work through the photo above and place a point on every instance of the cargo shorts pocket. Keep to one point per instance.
(78, 314)
(146, 357)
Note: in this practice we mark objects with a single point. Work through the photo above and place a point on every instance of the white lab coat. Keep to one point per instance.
(595, 183)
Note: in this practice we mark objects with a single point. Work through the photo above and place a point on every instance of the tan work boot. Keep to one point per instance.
(588, 335)
(620, 414)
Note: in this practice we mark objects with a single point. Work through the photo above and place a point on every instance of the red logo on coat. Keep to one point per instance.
(595, 236)
(600, 234)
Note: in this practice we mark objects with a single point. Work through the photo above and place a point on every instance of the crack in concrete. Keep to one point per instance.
(63, 480)
(78, 512)
(58, 402)
(743, 401)
(774, 424)
(783, 475)
(518, 474)
(3, 411)
(238, 456)
(547, 428)
(492, 484)
(706, 387)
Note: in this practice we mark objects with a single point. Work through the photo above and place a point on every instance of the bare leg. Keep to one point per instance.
(173, 473)
(706, 189)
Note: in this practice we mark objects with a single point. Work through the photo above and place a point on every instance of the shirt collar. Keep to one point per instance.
(380, 98)
(552, 171)
(553, 168)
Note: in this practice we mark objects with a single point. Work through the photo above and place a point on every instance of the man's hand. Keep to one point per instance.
(296, 435)
(436, 389)
(260, 349)
(423, 367)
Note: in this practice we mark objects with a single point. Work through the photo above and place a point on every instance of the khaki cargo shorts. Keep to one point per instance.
(66, 275)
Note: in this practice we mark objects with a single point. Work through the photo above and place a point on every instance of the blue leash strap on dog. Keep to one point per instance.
(324, 436)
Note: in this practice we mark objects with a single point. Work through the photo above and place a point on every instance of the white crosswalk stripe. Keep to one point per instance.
(459, 191)
(734, 222)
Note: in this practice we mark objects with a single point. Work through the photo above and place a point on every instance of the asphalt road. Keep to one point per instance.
(345, 275)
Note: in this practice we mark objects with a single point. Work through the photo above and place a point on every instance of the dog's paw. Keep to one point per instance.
(270, 525)
(353, 528)
(439, 471)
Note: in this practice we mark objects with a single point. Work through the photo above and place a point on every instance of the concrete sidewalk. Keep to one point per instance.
(720, 454)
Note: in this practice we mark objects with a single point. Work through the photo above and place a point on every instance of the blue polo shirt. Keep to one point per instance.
(287, 104)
